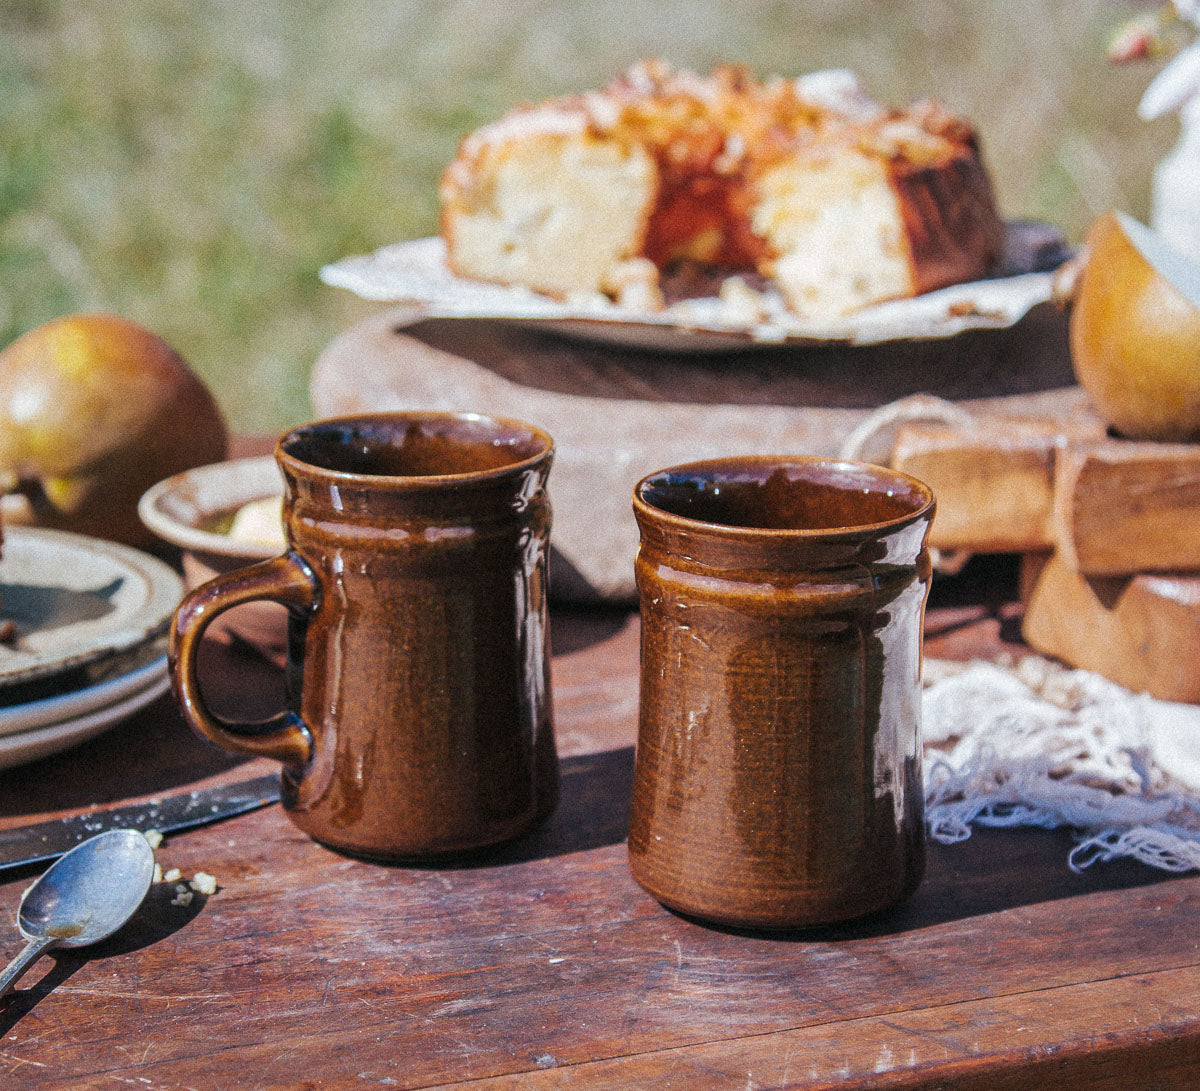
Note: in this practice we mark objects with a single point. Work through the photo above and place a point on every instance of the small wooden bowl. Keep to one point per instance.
(191, 509)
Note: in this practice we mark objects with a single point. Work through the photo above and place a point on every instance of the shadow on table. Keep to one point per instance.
(592, 812)
(1003, 869)
(156, 919)
(574, 628)
(992, 871)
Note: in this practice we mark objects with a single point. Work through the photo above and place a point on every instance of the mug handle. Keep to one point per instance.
(287, 580)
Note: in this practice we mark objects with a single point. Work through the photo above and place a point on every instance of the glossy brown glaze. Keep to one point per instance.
(418, 676)
(777, 781)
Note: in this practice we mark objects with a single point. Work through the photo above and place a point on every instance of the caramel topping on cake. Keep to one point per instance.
(806, 181)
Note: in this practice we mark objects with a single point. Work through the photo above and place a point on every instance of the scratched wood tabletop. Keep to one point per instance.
(545, 965)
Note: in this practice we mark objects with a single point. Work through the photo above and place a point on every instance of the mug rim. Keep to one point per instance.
(311, 470)
(666, 518)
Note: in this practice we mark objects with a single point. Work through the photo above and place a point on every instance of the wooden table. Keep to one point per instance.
(547, 966)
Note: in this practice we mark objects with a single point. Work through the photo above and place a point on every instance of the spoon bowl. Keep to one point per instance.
(83, 897)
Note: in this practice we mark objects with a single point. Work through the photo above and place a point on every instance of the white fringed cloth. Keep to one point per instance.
(1039, 744)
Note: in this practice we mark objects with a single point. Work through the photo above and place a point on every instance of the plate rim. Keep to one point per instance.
(47, 711)
(523, 305)
(165, 592)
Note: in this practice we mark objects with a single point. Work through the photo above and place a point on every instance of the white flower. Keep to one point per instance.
(1189, 10)
(1178, 84)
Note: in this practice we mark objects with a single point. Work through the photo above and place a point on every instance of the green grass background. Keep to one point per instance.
(192, 163)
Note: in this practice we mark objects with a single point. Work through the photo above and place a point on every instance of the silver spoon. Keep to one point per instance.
(83, 897)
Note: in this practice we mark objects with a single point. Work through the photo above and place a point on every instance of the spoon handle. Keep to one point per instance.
(33, 949)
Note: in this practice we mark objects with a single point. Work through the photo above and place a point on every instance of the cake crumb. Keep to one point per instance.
(203, 883)
(158, 872)
(155, 837)
(172, 876)
(742, 304)
(183, 896)
(634, 283)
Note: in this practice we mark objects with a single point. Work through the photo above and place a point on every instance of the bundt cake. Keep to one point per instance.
(807, 182)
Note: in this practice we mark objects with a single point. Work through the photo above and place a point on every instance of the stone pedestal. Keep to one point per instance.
(618, 415)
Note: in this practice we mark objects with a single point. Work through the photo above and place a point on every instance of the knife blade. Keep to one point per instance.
(48, 840)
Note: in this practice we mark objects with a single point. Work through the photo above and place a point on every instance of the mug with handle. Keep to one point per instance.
(419, 720)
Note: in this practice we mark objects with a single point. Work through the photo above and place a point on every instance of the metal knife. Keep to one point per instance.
(48, 840)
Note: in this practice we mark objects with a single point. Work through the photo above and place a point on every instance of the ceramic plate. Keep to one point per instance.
(416, 272)
(59, 708)
(183, 509)
(26, 746)
(78, 604)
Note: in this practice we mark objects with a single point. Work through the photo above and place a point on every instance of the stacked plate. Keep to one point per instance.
(89, 647)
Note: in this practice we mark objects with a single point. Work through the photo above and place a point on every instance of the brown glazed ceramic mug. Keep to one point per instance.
(419, 720)
(777, 778)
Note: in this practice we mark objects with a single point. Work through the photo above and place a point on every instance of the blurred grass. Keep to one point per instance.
(192, 164)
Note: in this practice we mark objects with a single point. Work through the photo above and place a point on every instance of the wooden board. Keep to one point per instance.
(546, 965)
(1108, 528)
(1108, 506)
(1141, 631)
(993, 477)
(1121, 507)
(616, 416)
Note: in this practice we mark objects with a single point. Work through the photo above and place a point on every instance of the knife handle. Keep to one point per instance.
(287, 580)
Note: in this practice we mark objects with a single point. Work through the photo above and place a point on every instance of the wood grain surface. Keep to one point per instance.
(1123, 507)
(1141, 631)
(544, 964)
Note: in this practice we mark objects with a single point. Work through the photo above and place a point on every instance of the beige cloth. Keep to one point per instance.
(1039, 744)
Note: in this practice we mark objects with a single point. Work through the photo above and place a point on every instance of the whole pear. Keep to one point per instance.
(94, 409)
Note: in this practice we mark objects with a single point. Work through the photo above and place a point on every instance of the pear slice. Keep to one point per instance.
(260, 522)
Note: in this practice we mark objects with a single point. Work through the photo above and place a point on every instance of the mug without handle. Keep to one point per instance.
(287, 580)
